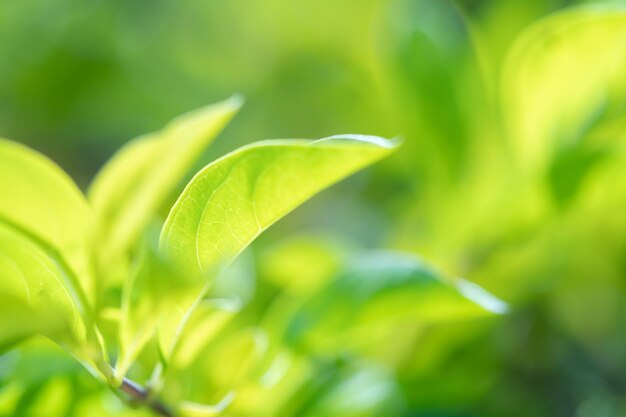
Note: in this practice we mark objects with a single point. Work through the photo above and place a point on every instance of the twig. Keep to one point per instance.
(141, 396)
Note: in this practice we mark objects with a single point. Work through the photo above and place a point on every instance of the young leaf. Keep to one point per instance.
(231, 201)
(154, 291)
(383, 290)
(135, 183)
(35, 294)
(560, 74)
(158, 291)
(42, 202)
(234, 199)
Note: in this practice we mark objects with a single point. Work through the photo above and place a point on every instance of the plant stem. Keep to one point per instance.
(141, 396)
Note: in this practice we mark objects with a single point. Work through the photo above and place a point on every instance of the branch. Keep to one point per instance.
(141, 396)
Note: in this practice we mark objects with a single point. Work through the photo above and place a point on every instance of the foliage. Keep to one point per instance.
(59, 255)
(512, 117)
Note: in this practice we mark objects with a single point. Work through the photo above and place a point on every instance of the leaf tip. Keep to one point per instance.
(236, 101)
(481, 297)
(378, 141)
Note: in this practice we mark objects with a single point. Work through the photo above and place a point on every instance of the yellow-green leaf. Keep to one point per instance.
(375, 295)
(560, 75)
(231, 201)
(135, 183)
(42, 201)
(153, 292)
(36, 295)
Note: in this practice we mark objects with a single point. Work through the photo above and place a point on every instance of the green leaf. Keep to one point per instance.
(158, 292)
(135, 183)
(227, 364)
(204, 326)
(42, 202)
(359, 390)
(35, 295)
(559, 75)
(376, 294)
(231, 201)
(154, 291)
(302, 264)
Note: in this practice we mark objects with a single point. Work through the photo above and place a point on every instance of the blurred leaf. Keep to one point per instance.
(570, 168)
(54, 399)
(9, 396)
(376, 295)
(134, 184)
(288, 383)
(236, 282)
(302, 264)
(358, 391)
(244, 348)
(42, 202)
(231, 201)
(559, 74)
(40, 375)
(158, 295)
(204, 325)
(191, 409)
(154, 291)
(225, 365)
(313, 387)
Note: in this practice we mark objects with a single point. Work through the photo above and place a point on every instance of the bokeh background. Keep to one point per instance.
(512, 173)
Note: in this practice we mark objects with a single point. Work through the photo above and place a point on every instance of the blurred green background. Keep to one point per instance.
(512, 173)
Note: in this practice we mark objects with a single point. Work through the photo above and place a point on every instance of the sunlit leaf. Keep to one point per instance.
(154, 291)
(42, 201)
(562, 74)
(231, 201)
(35, 295)
(157, 294)
(135, 183)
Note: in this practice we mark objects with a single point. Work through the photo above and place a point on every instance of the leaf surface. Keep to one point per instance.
(153, 292)
(135, 183)
(563, 75)
(41, 201)
(231, 201)
(35, 295)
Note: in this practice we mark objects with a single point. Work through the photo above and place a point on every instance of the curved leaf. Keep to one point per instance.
(231, 201)
(561, 76)
(35, 295)
(154, 291)
(41, 201)
(376, 294)
(134, 184)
